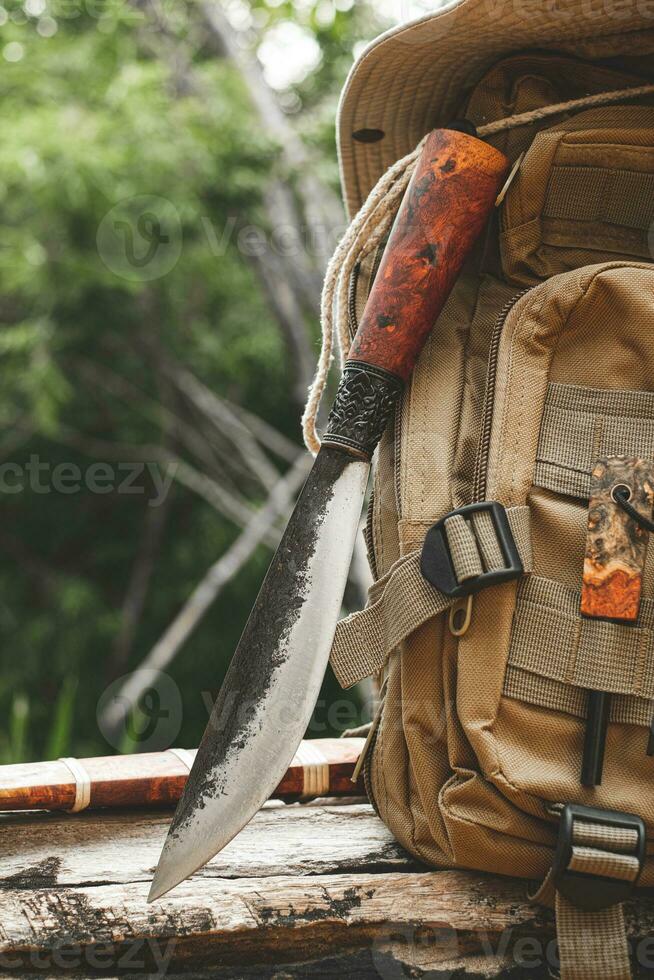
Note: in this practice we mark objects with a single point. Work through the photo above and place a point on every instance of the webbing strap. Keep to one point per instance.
(552, 642)
(594, 944)
(581, 424)
(605, 851)
(591, 944)
(489, 546)
(620, 198)
(465, 552)
(402, 600)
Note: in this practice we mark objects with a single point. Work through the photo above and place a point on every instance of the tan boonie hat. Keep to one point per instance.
(417, 76)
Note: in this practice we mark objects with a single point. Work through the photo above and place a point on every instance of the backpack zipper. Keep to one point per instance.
(479, 487)
(368, 534)
(397, 448)
(480, 478)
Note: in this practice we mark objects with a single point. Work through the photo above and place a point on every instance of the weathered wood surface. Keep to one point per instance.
(304, 891)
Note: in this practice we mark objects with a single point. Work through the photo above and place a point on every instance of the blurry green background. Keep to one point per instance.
(168, 200)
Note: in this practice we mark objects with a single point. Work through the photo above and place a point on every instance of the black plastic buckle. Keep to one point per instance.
(436, 562)
(594, 892)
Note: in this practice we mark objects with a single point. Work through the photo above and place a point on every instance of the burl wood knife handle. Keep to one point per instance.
(452, 192)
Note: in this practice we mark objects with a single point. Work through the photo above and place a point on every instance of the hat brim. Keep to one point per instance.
(416, 77)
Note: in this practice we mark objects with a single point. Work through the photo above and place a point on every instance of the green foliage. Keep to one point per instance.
(103, 107)
(61, 735)
(18, 722)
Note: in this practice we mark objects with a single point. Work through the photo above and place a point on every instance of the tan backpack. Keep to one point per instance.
(533, 397)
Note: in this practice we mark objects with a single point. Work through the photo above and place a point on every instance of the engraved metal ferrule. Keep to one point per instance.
(364, 403)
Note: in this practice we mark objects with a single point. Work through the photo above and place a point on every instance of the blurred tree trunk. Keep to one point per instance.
(298, 205)
(322, 209)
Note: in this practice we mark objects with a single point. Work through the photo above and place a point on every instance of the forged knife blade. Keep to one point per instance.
(274, 680)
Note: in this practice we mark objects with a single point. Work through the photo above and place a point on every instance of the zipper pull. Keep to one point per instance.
(463, 605)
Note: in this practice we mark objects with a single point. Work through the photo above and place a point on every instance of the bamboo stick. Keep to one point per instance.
(158, 778)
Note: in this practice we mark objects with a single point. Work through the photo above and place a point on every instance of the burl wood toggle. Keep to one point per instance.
(616, 546)
(616, 551)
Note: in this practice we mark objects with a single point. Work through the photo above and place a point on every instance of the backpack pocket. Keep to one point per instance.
(575, 367)
(584, 194)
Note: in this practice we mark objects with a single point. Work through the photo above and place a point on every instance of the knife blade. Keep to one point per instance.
(269, 694)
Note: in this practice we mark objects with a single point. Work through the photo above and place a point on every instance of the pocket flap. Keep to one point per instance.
(584, 195)
(581, 424)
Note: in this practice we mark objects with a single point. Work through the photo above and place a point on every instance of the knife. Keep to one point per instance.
(274, 680)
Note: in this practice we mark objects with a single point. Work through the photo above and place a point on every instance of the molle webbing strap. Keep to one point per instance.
(591, 944)
(364, 640)
(556, 654)
(581, 424)
(622, 198)
(402, 600)
(465, 552)
(522, 685)
(594, 944)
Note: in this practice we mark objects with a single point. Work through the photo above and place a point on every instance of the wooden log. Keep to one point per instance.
(157, 778)
(124, 846)
(305, 891)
